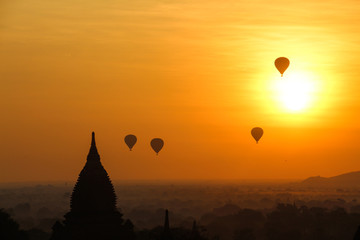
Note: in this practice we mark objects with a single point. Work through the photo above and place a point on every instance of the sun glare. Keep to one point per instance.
(295, 91)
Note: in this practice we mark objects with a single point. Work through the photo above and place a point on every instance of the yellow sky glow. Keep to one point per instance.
(199, 74)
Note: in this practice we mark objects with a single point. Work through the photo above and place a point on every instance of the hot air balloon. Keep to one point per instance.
(157, 144)
(282, 63)
(130, 141)
(257, 133)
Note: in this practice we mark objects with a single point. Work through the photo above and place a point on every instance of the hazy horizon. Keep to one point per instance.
(173, 181)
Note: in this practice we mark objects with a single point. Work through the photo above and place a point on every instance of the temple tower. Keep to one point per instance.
(93, 214)
(166, 233)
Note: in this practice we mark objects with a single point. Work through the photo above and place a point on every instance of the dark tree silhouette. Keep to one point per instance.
(37, 234)
(244, 234)
(9, 229)
(58, 231)
(357, 234)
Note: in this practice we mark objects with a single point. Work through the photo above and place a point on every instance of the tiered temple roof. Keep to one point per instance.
(93, 214)
(93, 191)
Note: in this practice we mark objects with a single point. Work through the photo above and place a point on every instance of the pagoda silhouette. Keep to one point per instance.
(166, 235)
(93, 214)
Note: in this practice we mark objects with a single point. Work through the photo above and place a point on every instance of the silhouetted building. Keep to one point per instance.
(195, 235)
(93, 214)
(166, 234)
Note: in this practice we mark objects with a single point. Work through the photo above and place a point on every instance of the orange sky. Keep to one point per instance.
(198, 74)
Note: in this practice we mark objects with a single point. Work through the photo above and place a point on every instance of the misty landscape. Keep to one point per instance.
(216, 120)
(227, 210)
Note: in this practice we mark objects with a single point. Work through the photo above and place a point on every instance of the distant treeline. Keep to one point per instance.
(287, 221)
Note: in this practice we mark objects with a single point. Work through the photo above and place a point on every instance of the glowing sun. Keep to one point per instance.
(295, 91)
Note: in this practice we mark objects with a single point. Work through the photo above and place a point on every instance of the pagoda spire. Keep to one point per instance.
(194, 228)
(166, 234)
(166, 224)
(195, 235)
(93, 152)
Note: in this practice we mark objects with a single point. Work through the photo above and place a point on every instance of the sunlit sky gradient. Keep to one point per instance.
(199, 74)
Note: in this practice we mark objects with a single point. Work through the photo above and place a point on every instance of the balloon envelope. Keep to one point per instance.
(282, 63)
(157, 144)
(257, 133)
(130, 141)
